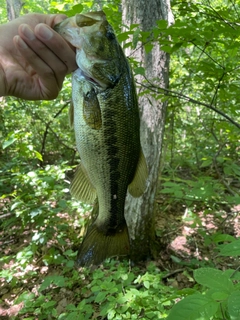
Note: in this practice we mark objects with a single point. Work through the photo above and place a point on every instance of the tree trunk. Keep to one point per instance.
(13, 8)
(139, 212)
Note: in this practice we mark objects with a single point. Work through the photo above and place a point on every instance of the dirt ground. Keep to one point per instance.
(183, 240)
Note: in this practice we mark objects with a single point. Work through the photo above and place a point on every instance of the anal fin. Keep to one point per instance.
(81, 187)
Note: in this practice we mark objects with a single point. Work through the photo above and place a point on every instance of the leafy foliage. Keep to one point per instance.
(200, 169)
(221, 298)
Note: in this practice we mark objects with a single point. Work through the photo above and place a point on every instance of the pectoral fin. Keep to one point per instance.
(91, 110)
(137, 187)
(81, 187)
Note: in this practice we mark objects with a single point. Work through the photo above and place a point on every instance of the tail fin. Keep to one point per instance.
(97, 246)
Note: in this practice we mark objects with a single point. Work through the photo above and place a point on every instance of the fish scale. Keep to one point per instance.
(107, 129)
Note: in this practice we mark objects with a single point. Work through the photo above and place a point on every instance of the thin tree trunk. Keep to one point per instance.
(13, 8)
(139, 212)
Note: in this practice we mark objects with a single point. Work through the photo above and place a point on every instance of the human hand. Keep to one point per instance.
(34, 59)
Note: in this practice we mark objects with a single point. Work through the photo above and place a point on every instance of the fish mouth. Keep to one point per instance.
(72, 29)
(91, 79)
(81, 74)
(76, 31)
(90, 18)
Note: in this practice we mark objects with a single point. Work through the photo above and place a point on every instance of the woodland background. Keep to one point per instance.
(193, 270)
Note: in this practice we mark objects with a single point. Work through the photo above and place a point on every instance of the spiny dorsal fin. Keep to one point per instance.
(81, 187)
(138, 185)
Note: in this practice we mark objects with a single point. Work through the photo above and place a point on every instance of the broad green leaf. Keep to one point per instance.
(231, 249)
(213, 278)
(222, 238)
(232, 274)
(162, 24)
(100, 296)
(124, 36)
(77, 8)
(38, 155)
(148, 47)
(8, 142)
(72, 316)
(48, 304)
(176, 46)
(46, 282)
(194, 307)
(206, 163)
(219, 295)
(134, 25)
(55, 279)
(234, 305)
(139, 70)
(111, 314)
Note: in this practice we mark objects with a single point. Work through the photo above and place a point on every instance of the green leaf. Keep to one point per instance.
(194, 307)
(46, 282)
(111, 314)
(219, 295)
(8, 142)
(162, 24)
(232, 274)
(55, 279)
(124, 36)
(100, 296)
(206, 163)
(213, 278)
(72, 316)
(148, 47)
(134, 26)
(38, 155)
(176, 46)
(234, 305)
(146, 284)
(222, 238)
(77, 8)
(48, 304)
(231, 249)
(135, 37)
(140, 70)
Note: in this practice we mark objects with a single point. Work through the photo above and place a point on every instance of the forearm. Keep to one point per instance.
(2, 83)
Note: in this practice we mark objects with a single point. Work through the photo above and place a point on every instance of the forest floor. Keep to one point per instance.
(183, 240)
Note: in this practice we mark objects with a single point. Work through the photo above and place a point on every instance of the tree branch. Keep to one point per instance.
(217, 88)
(173, 93)
(48, 125)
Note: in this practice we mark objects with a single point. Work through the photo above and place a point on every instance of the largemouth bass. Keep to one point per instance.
(105, 118)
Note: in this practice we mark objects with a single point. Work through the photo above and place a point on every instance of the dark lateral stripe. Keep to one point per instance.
(117, 201)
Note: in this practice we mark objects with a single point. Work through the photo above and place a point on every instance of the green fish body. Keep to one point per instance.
(105, 118)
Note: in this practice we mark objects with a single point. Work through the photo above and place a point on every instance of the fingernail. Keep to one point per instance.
(28, 33)
(20, 42)
(44, 32)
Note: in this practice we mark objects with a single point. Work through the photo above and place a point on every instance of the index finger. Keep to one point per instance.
(63, 50)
